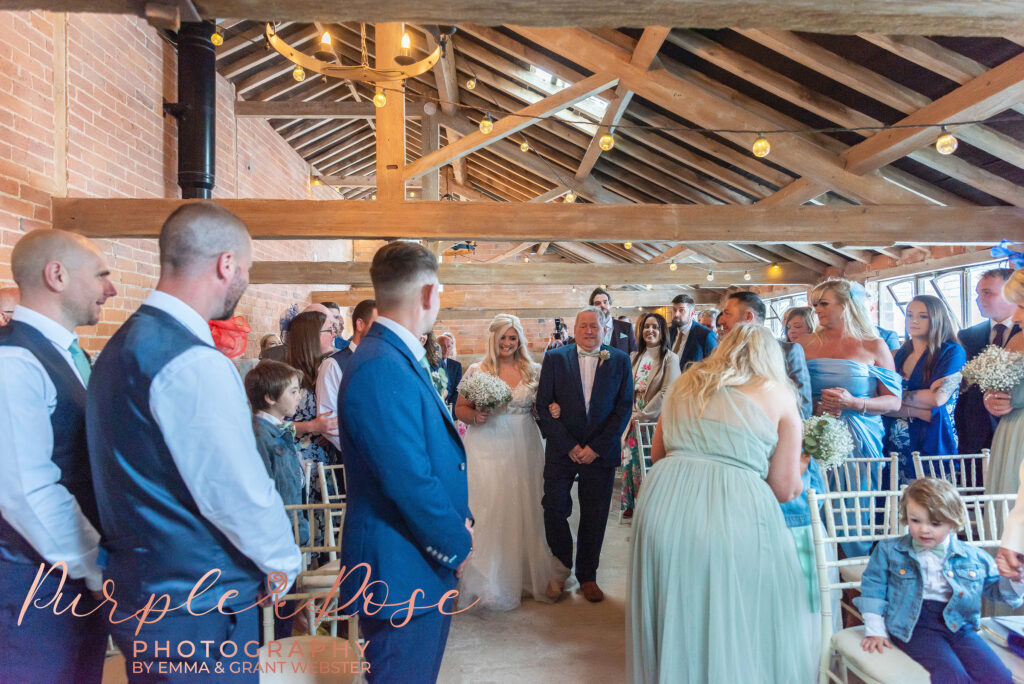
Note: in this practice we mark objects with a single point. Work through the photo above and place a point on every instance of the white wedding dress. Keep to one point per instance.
(505, 469)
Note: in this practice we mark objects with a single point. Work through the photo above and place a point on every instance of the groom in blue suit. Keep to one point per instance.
(408, 513)
(593, 387)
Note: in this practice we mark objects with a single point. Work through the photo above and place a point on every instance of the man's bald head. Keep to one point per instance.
(41, 247)
(196, 234)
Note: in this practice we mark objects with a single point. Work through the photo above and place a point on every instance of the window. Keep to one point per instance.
(778, 307)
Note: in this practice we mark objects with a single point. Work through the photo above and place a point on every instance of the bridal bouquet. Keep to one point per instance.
(485, 391)
(995, 369)
(827, 440)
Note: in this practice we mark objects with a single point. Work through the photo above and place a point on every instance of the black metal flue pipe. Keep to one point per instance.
(196, 110)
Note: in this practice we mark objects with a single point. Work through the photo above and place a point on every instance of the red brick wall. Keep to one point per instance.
(119, 144)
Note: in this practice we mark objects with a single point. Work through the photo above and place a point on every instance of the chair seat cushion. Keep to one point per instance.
(853, 573)
(324, 581)
(897, 667)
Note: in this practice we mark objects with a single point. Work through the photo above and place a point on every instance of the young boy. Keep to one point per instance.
(273, 391)
(923, 590)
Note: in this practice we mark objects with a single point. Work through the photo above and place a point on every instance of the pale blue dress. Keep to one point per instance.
(1003, 475)
(861, 380)
(715, 591)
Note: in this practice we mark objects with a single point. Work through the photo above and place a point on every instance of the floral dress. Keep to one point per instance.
(313, 448)
(632, 472)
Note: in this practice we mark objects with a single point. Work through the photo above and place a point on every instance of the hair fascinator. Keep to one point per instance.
(230, 336)
(1012, 252)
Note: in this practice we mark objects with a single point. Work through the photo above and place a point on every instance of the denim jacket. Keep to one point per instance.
(892, 585)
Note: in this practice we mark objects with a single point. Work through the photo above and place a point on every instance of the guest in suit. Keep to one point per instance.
(332, 369)
(655, 368)
(180, 485)
(452, 367)
(620, 333)
(593, 387)
(974, 425)
(9, 297)
(690, 340)
(797, 321)
(408, 515)
(338, 321)
(47, 505)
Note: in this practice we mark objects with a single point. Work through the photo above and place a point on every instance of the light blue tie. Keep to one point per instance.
(582, 352)
(426, 366)
(81, 361)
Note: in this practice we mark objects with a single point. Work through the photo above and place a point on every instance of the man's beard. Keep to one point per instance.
(231, 298)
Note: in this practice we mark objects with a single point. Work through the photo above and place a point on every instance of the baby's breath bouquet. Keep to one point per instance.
(485, 391)
(995, 369)
(827, 440)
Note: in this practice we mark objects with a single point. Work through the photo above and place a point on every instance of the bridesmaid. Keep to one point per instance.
(852, 375)
(1003, 475)
(655, 368)
(715, 592)
(930, 362)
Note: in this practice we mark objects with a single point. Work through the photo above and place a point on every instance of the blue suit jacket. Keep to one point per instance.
(699, 344)
(405, 468)
(454, 370)
(611, 404)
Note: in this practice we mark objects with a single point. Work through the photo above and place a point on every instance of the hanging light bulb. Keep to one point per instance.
(404, 56)
(650, 287)
(746, 275)
(217, 38)
(524, 146)
(761, 146)
(406, 43)
(946, 144)
(486, 125)
(380, 99)
(627, 245)
(570, 197)
(775, 269)
(412, 193)
(673, 266)
(471, 83)
(711, 276)
(606, 142)
(298, 73)
(315, 181)
(526, 259)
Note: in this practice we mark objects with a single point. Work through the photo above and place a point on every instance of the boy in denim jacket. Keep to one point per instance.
(924, 590)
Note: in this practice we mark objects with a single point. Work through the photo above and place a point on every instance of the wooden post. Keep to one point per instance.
(390, 118)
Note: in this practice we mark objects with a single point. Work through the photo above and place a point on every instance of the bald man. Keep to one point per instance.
(180, 486)
(47, 506)
(9, 298)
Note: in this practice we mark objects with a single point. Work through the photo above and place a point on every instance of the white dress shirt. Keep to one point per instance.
(42, 511)
(588, 367)
(199, 403)
(1008, 322)
(328, 382)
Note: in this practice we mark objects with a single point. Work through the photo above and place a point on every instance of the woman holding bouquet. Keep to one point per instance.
(852, 375)
(505, 458)
(1003, 476)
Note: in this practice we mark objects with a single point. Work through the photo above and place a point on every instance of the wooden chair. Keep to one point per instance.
(964, 471)
(330, 492)
(892, 666)
(857, 474)
(644, 433)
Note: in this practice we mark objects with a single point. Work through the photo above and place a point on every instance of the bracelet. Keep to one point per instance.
(864, 409)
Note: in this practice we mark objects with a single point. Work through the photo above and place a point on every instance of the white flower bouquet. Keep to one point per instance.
(485, 391)
(995, 369)
(827, 440)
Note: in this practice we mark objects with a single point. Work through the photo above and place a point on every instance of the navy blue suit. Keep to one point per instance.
(699, 344)
(975, 426)
(600, 428)
(454, 370)
(407, 503)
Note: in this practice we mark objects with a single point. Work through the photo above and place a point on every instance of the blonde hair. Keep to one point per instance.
(855, 317)
(1013, 290)
(499, 325)
(747, 353)
(938, 497)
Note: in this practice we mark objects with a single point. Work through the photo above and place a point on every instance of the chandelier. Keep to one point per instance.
(322, 62)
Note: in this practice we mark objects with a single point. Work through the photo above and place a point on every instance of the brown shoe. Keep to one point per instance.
(555, 590)
(592, 592)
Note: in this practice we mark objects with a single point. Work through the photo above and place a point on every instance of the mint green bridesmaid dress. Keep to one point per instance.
(1003, 475)
(715, 592)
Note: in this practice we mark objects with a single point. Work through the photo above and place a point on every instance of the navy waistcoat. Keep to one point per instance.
(70, 450)
(157, 539)
(342, 358)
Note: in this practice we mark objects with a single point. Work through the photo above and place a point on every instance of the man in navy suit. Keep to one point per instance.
(974, 425)
(408, 515)
(451, 367)
(690, 340)
(620, 333)
(593, 386)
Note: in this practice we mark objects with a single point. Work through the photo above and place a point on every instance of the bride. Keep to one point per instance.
(505, 457)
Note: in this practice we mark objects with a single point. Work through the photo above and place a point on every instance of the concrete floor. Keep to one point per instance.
(571, 641)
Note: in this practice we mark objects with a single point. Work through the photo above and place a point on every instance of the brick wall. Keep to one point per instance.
(115, 142)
